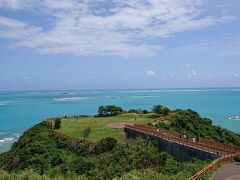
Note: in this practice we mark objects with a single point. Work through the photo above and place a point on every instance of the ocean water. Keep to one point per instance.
(21, 110)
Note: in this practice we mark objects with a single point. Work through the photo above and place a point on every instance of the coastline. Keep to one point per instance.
(21, 110)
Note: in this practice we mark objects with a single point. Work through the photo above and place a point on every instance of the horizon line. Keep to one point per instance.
(167, 88)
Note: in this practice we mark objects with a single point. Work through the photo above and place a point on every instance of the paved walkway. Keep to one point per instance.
(230, 171)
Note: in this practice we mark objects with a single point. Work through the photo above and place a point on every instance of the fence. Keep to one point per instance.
(227, 152)
(171, 136)
(228, 147)
(50, 123)
(213, 165)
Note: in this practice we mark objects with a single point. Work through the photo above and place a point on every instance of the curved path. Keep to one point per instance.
(229, 171)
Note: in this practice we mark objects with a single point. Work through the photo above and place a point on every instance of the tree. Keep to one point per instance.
(86, 132)
(57, 123)
(160, 110)
(101, 110)
(145, 111)
(109, 110)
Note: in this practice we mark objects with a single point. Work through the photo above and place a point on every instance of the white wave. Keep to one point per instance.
(6, 140)
(234, 118)
(2, 103)
(143, 97)
(72, 99)
(110, 97)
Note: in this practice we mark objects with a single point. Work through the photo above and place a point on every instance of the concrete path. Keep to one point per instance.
(229, 171)
(118, 125)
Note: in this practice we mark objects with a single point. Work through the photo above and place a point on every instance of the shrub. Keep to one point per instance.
(57, 123)
(86, 132)
(237, 158)
(132, 111)
(138, 111)
(160, 110)
(162, 125)
(145, 111)
(104, 145)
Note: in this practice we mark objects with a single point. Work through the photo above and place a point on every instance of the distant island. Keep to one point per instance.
(95, 147)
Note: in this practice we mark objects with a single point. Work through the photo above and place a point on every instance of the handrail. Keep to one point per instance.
(59, 134)
(213, 165)
(207, 141)
(176, 137)
(227, 153)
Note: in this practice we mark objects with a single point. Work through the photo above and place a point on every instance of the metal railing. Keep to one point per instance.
(175, 137)
(213, 165)
(226, 152)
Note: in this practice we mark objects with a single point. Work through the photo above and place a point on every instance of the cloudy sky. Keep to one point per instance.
(85, 44)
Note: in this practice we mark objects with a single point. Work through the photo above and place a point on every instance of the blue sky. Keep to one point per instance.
(103, 44)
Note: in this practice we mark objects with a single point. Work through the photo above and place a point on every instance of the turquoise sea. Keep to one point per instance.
(21, 110)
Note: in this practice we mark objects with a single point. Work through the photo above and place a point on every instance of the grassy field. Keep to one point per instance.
(74, 127)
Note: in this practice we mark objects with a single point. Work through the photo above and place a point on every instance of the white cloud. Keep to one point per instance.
(122, 28)
(192, 74)
(236, 75)
(14, 29)
(225, 46)
(150, 73)
(187, 65)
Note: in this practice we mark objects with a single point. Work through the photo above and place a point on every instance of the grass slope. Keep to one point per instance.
(74, 127)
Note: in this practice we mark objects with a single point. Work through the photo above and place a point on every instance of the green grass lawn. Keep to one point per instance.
(74, 127)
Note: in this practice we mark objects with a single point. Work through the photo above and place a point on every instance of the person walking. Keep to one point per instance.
(193, 139)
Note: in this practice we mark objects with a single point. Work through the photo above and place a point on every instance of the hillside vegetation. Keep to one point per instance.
(39, 153)
(191, 123)
(103, 154)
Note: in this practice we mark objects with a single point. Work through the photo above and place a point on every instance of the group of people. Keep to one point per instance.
(162, 131)
(181, 136)
(187, 137)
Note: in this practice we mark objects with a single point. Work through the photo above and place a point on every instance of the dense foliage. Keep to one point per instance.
(30, 174)
(39, 152)
(191, 123)
(57, 123)
(138, 111)
(104, 145)
(109, 110)
(160, 110)
(237, 158)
